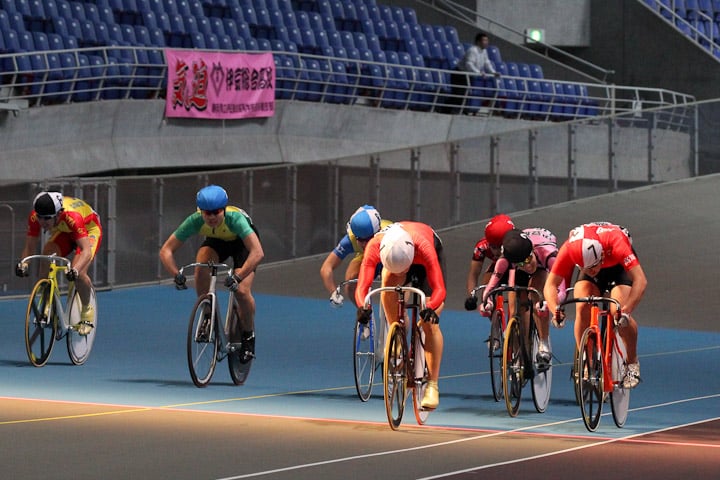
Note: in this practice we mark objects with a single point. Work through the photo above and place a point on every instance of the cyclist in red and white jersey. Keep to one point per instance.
(527, 257)
(73, 225)
(607, 261)
(409, 251)
(488, 248)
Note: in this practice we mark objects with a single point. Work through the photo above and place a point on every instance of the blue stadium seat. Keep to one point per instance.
(494, 54)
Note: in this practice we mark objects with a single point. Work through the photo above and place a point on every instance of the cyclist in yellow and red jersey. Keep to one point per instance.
(228, 232)
(607, 261)
(73, 225)
(488, 247)
(410, 252)
(364, 223)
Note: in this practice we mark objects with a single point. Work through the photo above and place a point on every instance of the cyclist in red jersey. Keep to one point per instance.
(410, 252)
(72, 225)
(488, 247)
(607, 261)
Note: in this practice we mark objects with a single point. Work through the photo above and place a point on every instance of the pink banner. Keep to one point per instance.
(219, 85)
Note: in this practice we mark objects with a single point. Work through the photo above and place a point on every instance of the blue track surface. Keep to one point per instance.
(303, 368)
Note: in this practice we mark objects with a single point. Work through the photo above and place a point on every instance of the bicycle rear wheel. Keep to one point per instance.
(420, 379)
(40, 324)
(620, 396)
(394, 379)
(590, 381)
(513, 367)
(364, 358)
(496, 340)
(202, 342)
(239, 371)
(542, 378)
(79, 346)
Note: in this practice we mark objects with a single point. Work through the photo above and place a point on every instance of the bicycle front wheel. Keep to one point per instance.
(40, 323)
(79, 346)
(513, 367)
(590, 380)
(542, 378)
(202, 342)
(496, 340)
(364, 358)
(420, 378)
(394, 379)
(620, 396)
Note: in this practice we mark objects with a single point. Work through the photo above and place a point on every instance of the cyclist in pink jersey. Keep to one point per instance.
(488, 248)
(527, 257)
(73, 225)
(607, 261)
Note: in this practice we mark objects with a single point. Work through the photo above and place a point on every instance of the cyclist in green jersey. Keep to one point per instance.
(228, 232)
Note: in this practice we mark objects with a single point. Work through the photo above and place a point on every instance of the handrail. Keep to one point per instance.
(123, 72)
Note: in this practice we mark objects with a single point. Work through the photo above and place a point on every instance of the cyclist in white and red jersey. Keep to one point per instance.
(229, 233)
(73, 225)
(607, 261)
(488, 248)
(527, 257)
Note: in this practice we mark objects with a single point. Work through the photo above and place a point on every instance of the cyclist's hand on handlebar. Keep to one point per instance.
(471, 303)
(71, 274)
(232, 282)
(487, 307)
(542, 310)
(336, 299)
(180, 281)
(558, 319)
(364, 315)
(428, 315)
(624, 319)
(21, 269)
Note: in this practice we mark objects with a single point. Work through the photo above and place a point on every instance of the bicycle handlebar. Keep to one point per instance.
(211, 265)
(399, 290)
(343, 283)
(50, 258)
(593, 300)
(505, 288)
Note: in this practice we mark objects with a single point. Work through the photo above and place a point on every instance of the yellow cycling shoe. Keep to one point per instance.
(87, 317)
(431, 399)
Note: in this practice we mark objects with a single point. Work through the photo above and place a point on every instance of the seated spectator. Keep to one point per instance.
(475, 61)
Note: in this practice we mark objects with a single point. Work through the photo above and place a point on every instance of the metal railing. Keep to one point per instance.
(99, 73)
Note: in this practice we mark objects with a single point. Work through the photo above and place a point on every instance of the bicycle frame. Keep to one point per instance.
(412, 368)
(497, 334)
(216, 340)
(55, 315)
(593, 387)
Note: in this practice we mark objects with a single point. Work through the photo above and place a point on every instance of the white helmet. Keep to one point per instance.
(397, 249)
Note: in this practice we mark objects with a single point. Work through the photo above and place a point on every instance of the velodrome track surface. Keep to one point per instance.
(132, 411)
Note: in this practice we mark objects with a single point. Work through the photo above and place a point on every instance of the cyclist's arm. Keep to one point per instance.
(371, 259)
(501, 266)
(639, 283)
(550, 290)
(255, 255)
(562, 288)
(166, 254)
(31, 245)
(473, 274)
(326, 271)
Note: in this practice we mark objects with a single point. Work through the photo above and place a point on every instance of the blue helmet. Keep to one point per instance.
(364, 223)
(212, 197)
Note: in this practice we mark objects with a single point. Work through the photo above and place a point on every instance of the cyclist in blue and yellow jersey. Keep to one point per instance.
(228, 232)
(73, 225)
(363, 224)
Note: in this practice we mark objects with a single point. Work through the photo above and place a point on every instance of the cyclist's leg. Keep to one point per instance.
(434, 344)
(83, 284)
(583, 288)
(205, 254)
(537, 281)
(629, 333)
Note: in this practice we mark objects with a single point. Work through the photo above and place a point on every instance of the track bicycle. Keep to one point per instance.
(47, 319)
(496, 338)
(368, 346)
(519, 359)
(208, 340)
(404, 368)
(601, 363)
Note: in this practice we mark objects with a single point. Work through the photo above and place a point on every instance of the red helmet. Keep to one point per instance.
(496, 229)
